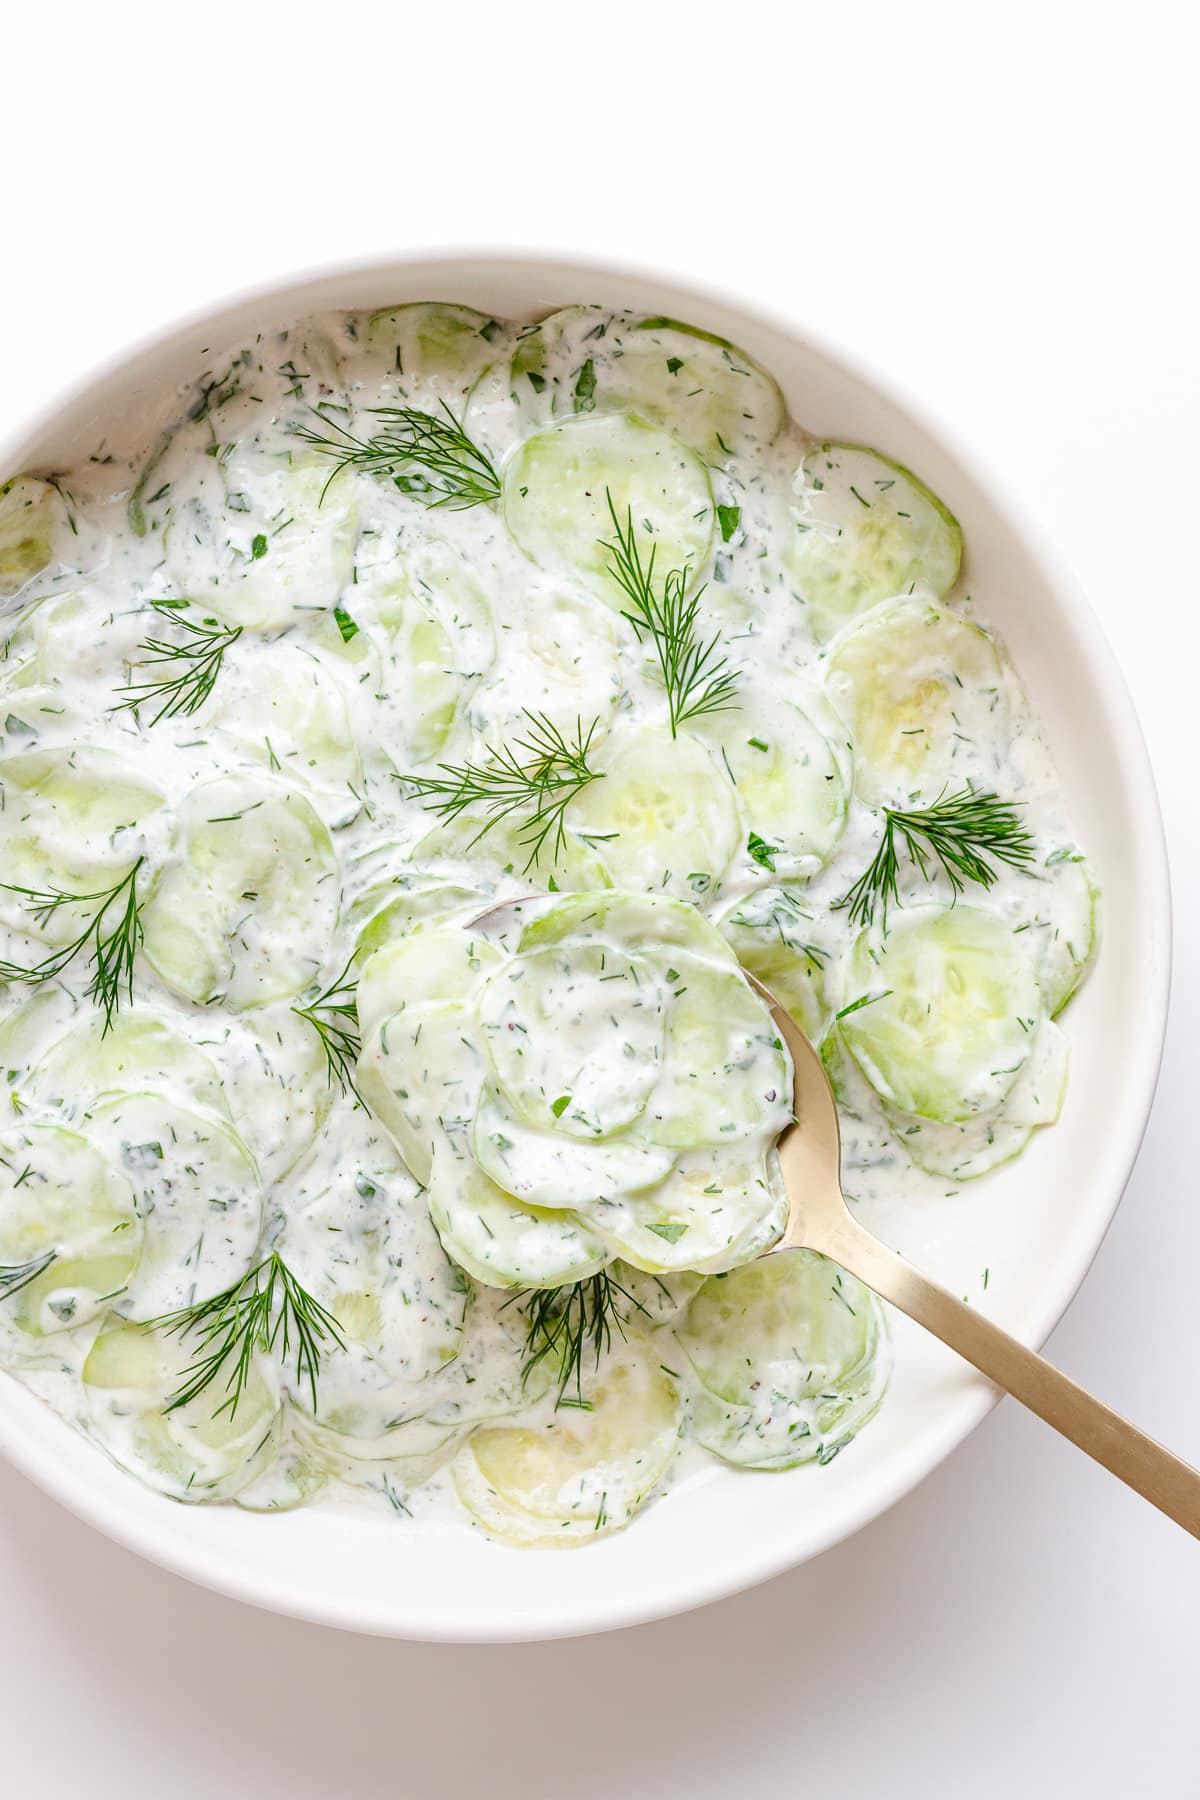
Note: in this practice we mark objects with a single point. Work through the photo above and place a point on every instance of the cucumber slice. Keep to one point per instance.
(787, 1354)
(62, 1206)
(967, 1151)
(769, 933)
(420, 1073)
(699, 1218)
(139, 1050)
(570, 671)
(197, 1192)
(276, 1083)
(395, 908)
(69, 819)
(33, 521)
(421, 577)
(258, 537)
(555, 504)
(1067, 935)
(922, 691)
(283, 710)
(443, 963)
(585, 1474)
(574, 1036)
(951, 1011)
(545, 1168)
(461, 849)
(663, 817)
(366, 1249)
(193, 1452)
(727, 1074)
(864, 529)
(634, 923)
(292, 1480)
(500, 1242)
(712, 395)
(245, 909)
(791, 765)
(426, 348)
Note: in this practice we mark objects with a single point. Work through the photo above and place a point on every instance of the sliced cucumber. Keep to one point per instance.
(556, 489)
(197, 1192)
(366, 1249)
(865, 529)
(499, 1241)
(712, 395)
(969, 1150)
(574, 1035)
(663, 817)
(245, 909)
(259, 537)
(1067, 931)
(461, 848)
(950, 1013)
(138, 1050)
(276, 1083)
(922, 691)
(292, 1480)
(443, 963)
(426, 348)
(547, 1168)
(420, 1073)
(787, 1353)
(791, 765)
(726, 1072)
(656, 1299)
(649, 923)
(427, 578)
(33, 521)
(67, 1209)
(769, 932)
(283, 710)
(586, 1473)
(194, 1452)
(699, 1218)
(395, 907)
(70, 820)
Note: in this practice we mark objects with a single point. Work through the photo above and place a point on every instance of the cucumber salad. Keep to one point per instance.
(317, 1185)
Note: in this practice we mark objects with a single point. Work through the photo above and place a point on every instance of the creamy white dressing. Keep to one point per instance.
(381, 637)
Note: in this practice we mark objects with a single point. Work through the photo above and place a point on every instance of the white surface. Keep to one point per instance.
(1000, 217)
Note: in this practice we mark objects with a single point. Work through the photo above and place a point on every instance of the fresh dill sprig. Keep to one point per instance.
(539, 773)
(563, 1322)
(194, 663)
(695, 671)
(454, 471)
(333, 1015)
(113, 946)
(266, 1307)
(15, 1276)
(957, 834)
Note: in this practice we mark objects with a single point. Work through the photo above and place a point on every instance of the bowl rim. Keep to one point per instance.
(725, 1576)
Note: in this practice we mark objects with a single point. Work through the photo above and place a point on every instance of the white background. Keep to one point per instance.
(997, 206)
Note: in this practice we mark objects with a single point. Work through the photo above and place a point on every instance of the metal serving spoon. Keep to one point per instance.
(819, 1219)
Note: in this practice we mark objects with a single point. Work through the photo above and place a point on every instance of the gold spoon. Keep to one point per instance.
(810, 1155)
(819, 1219)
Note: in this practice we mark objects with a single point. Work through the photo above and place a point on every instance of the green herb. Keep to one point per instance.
(956, 834)
(562, 1323)
(538, 774)
(558, 1107)
(729, 518)
(585, 387)
(15, 1276)
(258, 546)
(696, 674)
(863, 1000)
(762, 852)
(265, 1308)
(333, 1015)
(345, 624)
(670, 1233)
(113, 945)
(194, 661)
(456, 472)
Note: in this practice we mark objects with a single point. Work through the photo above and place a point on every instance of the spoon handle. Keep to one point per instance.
(1137, 1460)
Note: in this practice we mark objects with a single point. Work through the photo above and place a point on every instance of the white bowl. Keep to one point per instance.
(1035, 1225)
